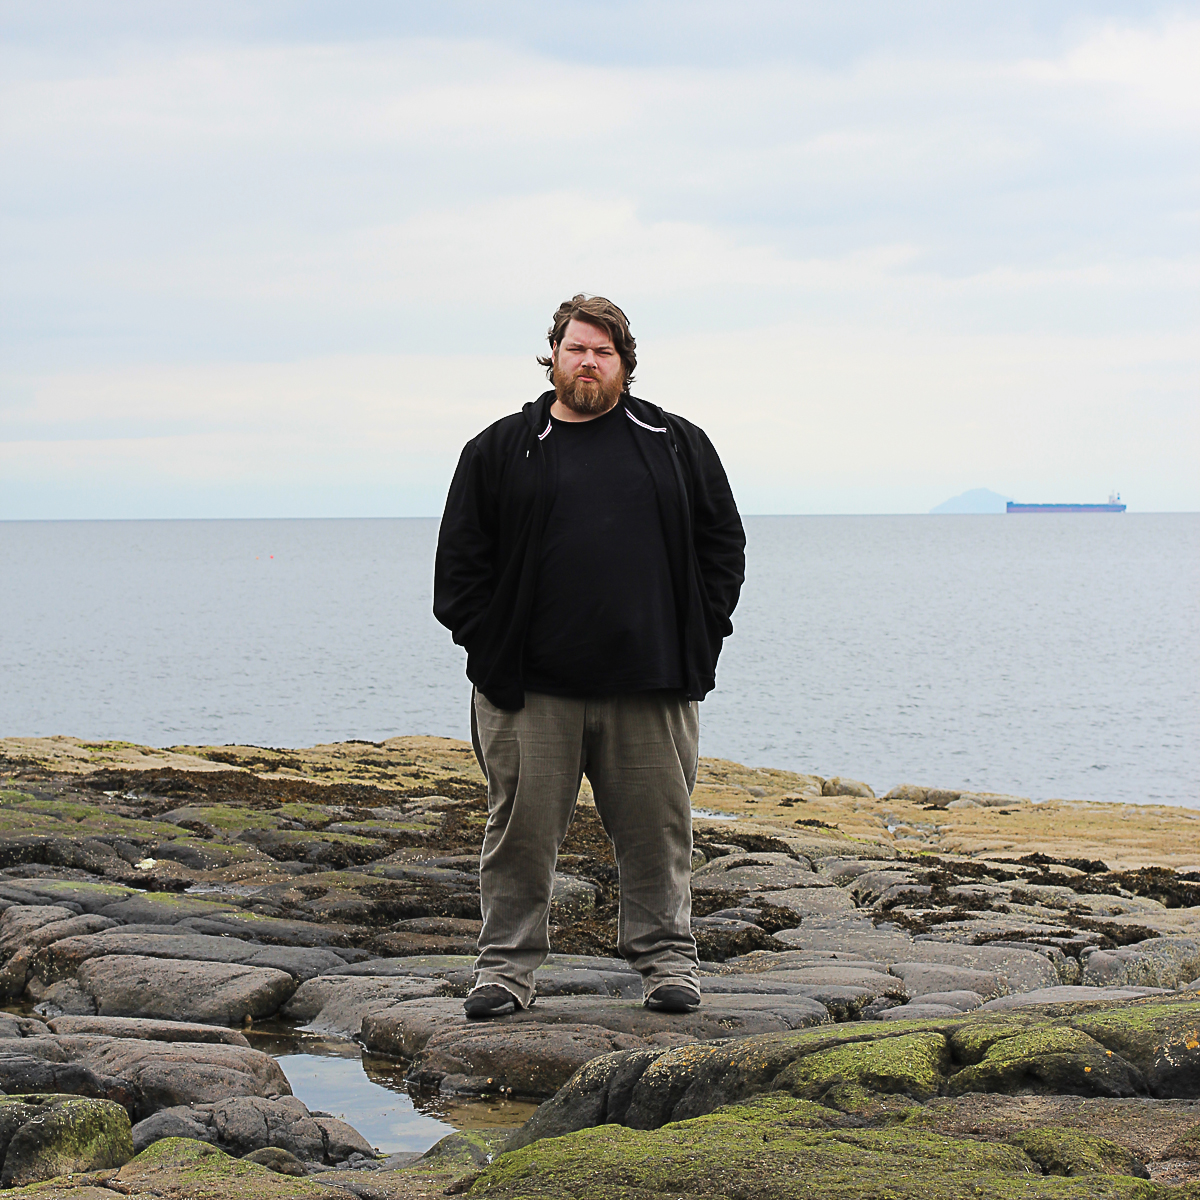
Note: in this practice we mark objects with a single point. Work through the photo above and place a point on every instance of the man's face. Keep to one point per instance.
(588, 373)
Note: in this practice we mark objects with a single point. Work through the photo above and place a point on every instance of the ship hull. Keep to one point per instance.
(1064, 508)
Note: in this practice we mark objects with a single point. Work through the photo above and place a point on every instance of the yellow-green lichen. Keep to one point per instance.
(913, 1064)
(1060, 1151)
(768, 1152)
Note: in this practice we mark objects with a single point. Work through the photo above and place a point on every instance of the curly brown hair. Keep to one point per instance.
(595, 310)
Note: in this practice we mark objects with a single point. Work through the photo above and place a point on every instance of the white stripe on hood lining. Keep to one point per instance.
(652, 428)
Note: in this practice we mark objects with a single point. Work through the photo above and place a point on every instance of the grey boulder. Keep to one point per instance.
(248, 1126)
(1065, 994)
(529, 1059)
(962, 1001)
(210, 993)
(148, 1030)
(922, 978)
(1158, 962)
(338, 1003)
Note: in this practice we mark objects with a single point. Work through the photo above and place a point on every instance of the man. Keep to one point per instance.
(589, 559)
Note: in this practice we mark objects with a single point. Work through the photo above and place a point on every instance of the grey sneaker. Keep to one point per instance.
(490, 1000)
(673, 998)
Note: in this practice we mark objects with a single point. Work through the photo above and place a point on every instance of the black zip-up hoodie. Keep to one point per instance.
(489, 544)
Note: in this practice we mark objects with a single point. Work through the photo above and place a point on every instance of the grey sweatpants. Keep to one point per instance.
(639, 752)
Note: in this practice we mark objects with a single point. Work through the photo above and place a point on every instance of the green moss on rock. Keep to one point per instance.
(64, 1134)
(184, 1168)
(468, 1148)
(1186, 1145)
(912, 1064)
(1061, 1151)
(971, 1040)
(1050, 1059)
(1161, 1038)
(9, 796)
(769, 1151)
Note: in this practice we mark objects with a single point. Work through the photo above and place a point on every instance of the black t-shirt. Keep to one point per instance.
(604, 613)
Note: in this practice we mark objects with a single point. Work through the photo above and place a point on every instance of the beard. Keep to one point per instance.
(586, 394)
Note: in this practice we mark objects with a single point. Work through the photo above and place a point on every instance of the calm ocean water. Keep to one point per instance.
(1043, 655)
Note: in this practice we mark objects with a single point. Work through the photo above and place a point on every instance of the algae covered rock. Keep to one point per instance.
(1069, 1152)
(47, 1136)
(1050, 1059)
(1162, 1039)
(777, 1147)
(182, 1168)
(912, 1064)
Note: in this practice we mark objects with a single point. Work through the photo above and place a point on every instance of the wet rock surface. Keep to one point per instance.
(42, 1137)
(868, 965)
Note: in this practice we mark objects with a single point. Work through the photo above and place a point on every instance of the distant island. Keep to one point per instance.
(977, 500)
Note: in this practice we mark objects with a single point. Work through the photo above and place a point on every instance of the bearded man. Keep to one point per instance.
(589, 559)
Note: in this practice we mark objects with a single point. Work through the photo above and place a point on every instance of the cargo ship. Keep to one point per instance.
(1114, 505)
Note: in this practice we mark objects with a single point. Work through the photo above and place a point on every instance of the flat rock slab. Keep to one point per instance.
(805, 902)
(148, 1030)
(1023, 970)
(157, 908)
(879, 983)
(848, 936)
(277, 931)
(62, 958)
(338, 1003)
(531, 1059)
(963, 1001)
(1068, 995)
(174, 990)
(403, 1029)
(920, 978)
(578, 981)
(917, 1012)
(143, 1075)
(794, 960)
(748, 872)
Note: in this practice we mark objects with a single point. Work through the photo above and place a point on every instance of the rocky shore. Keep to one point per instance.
(928, 993)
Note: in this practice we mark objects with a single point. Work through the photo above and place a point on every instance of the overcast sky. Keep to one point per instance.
(284, 259)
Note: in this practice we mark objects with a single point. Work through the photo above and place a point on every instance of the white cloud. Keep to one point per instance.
(1151, 75)
(975, 260)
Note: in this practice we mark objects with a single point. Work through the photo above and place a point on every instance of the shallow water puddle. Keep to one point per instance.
(333, 1075)
(340, 1086)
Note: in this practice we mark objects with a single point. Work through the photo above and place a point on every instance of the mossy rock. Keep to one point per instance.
(468, 1149)
(1186, 1145)
(55, 1135)
(9, 796)
(1061, 1151)
(913, 1064)
(1050, 1059)
(184, 1168)
(66, 810)
(225, 818)
(15, 822)
(310, 814)
(971, 1040)
(94, 893)
(288, 837)
(1161, 1038)
(770, 1150)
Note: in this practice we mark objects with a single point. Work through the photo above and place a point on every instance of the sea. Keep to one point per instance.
(1040, 655)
